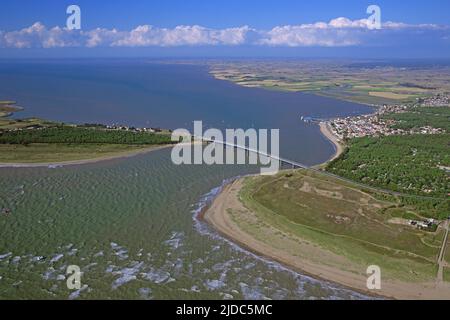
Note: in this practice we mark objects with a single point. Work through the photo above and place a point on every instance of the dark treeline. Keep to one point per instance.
(436, 117)
(413, 164)
(67, 134)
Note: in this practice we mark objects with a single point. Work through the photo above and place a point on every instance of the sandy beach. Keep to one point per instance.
(326, 131)
(298, 254)
(84, 161)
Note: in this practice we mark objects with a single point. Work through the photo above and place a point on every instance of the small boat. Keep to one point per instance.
(307, 119)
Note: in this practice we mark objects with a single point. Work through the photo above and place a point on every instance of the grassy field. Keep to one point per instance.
(342, 220)
(391, 95)
(447, 274)
(447, 252)
(447, 259)
(53, 153)
(10, 124)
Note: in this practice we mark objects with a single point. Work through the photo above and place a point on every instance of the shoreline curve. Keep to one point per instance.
(339, 148)
(218, 216)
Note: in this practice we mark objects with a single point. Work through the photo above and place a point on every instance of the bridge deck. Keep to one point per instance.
(295, 164)
(261, 153)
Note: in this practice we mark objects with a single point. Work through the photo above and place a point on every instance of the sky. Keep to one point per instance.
(171, 28)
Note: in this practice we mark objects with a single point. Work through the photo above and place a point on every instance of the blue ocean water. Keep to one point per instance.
(143, 93)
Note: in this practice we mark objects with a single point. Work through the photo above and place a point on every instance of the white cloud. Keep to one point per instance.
(347, 23)
(144, 36)
(301, 35)
(38, 35)
(25, 37)
(341, 32)
(337, 32)
(102, 37)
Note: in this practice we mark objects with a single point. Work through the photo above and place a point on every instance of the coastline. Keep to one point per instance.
(338, 146)
(84, 161)
(219, 217)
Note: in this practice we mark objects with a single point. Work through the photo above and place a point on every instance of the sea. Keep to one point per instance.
(131, 225)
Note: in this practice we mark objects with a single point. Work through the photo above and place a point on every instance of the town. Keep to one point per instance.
(132, 129)
(375, 125)
(37, 124)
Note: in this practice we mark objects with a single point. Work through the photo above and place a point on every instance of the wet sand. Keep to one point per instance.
(339, 147)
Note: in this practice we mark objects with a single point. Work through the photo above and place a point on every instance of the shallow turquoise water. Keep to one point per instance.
(130, 225)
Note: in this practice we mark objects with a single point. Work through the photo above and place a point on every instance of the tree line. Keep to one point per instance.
(68, 134)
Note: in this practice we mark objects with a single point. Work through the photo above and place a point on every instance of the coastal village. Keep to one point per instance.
(133, 129)
(375, 125)
(43, 125)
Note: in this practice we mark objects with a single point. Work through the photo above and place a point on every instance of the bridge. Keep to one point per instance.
(298, 165)
(293, 164)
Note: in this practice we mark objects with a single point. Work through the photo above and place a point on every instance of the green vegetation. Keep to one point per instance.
(7, 124)
(408, 164)
(447, 253)
(35, 140)
(340, 219)
(447, 274)
(411, 164)
(82, 135)
(417, 117)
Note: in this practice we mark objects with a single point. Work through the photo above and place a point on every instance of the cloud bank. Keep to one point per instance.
(340, 32)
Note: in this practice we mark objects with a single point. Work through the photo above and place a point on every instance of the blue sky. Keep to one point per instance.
(229, 27)
(16, 14)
